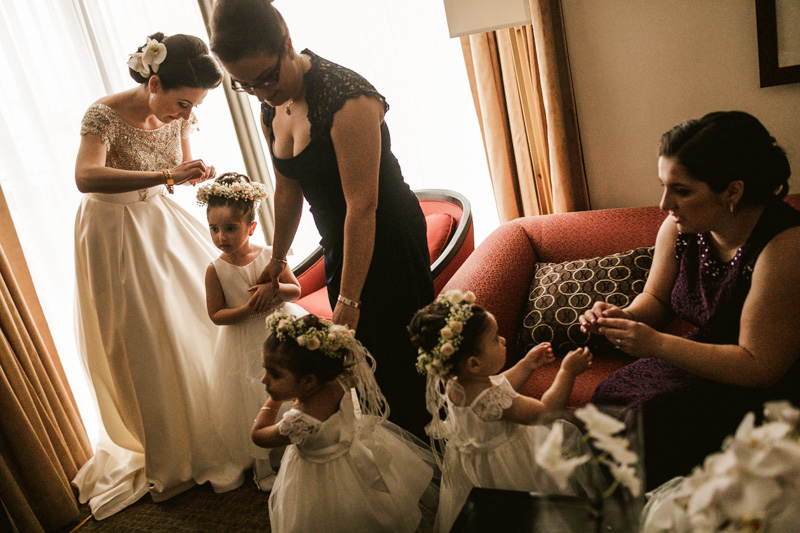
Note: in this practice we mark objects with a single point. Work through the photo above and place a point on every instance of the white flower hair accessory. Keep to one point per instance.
(437, 360)
(151, 56)
(332, 340)
(242, 189)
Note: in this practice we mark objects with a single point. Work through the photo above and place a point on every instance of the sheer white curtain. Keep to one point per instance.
(57, 57)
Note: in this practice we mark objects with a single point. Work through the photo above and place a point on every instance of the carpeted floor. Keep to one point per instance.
(198, 509)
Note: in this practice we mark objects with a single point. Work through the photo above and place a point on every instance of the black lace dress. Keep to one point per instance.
(687, 417)
(399, 279)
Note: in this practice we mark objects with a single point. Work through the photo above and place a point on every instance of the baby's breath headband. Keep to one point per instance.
(242, 189)
(153, 53)
(333, 340)
(437, 360)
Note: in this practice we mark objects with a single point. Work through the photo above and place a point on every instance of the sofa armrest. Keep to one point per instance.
(499, 272)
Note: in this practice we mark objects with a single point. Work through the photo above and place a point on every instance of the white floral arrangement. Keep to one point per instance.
(239, 190)
(333, 340)
(752, 484)
(152, 55)
(437, 360)
(603, 433)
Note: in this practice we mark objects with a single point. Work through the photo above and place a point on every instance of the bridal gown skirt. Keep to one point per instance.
(147, 345)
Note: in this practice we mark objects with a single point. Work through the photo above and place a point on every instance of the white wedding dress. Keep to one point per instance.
(143, 331)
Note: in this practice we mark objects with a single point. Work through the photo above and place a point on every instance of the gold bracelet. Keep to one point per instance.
(348, 302)
(168, 181)
(265, 408)
(283, 261)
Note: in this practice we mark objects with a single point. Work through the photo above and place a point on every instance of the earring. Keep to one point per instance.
(730, 206)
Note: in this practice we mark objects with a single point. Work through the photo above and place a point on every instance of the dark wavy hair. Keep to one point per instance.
(300, 360)
(188, 64)
(240, 28)
(727, 146)
(245, 208)
(428, 322)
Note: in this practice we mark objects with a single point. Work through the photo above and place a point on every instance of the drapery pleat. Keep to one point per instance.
(42, 439)
(522, 90)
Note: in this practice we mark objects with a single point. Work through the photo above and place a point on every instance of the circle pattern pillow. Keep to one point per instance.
(561, 292)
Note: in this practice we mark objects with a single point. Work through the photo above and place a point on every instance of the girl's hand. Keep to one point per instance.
(577, 361)
(539, 355)
(600, 309)
(260, 298)
(346, 315)
(195, 170)
(634, 338)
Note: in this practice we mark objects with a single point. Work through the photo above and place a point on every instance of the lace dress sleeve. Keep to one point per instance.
(297, 427)
(97, 121)
(489, 407)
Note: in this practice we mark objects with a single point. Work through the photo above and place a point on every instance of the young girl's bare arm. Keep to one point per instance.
(218, 311)
(262, 295)
(526, 410)
(538, 356)
(265, 432)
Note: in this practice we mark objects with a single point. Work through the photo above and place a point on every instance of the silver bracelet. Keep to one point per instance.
(348, 302)
(279, 260)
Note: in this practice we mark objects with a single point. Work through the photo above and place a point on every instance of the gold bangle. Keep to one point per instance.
(265, 408)
(348, 302)
(168, 181)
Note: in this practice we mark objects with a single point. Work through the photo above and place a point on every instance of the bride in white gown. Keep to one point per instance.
(143, 332)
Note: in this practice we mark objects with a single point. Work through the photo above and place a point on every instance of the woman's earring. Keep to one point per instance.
(730, 206)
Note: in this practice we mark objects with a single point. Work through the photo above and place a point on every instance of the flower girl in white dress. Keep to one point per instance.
(237, 304)
(488, 428)
(346, 468)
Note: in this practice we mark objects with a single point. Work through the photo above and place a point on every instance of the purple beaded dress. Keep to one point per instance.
(687, 417)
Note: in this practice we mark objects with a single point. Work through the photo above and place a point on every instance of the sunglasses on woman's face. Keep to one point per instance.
(268, 81)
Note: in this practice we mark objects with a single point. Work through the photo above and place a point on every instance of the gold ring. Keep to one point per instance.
(619, 342)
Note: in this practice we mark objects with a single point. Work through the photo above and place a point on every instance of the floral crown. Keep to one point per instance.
(242, 189)
(152, 54)
(332, 340)
(437, 360)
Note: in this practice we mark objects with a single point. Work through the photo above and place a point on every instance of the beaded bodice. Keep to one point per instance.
(709, 293)
(131, 148)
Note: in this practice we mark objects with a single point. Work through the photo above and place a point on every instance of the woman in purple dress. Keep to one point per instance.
(725, 261)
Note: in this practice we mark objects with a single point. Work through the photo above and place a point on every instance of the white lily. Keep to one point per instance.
(617, 447)
(137, 64)
(550, 457)
(597, 422)
(154, 54)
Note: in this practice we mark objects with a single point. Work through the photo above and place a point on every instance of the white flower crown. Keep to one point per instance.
(240, 190)
(437, 360)
(332, 340)
(152, 55)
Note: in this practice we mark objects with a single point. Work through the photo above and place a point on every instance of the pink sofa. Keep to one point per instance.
(500, 271)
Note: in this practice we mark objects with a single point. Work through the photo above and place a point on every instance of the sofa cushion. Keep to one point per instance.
(441, 227)
(561, 292)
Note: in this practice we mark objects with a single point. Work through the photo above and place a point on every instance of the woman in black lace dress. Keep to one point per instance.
(726, 262)
(329, 143)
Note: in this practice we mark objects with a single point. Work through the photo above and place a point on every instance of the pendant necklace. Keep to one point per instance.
(289, 107)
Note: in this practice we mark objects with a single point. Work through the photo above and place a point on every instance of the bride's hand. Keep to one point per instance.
(194, 171)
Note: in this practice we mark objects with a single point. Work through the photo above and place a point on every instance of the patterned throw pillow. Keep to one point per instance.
(561, 292)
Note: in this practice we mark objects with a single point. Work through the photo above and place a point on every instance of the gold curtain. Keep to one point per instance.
(522, 90)
(42, 439)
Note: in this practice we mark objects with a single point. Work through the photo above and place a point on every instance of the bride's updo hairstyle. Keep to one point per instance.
(240, 28)
(726, 146)
(426, 327)
(188, 63)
